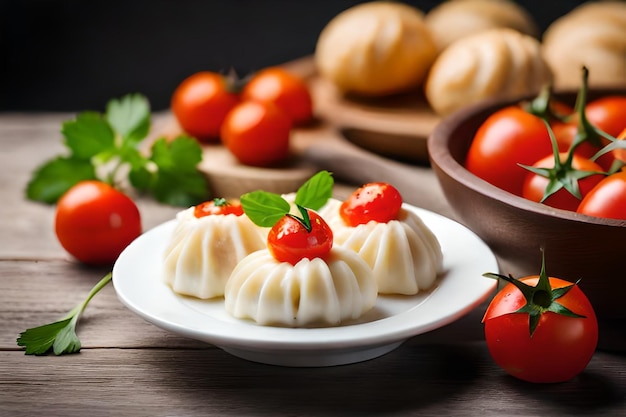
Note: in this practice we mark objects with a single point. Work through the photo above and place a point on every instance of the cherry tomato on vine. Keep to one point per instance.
(535, 185)
(620, 154)
(257, 133)
(508, 137)
(565, 133)
(287, 91)
(94, 222)
(201, 102)
(607, 199)
(218, 206)
(608, 114)
(377, 201)
(541, 335)
(290, 241)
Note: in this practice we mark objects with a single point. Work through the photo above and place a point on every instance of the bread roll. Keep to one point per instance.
(592, 35)
(456, 19)
(498, 63)
(375, 49)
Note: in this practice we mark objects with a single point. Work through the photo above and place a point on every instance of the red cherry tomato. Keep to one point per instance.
(508, 137)
(218, 206)
(287, 91)
(535, 185)
(257, 133)
(560, 347)
(620, 154)
(608, 114)
(607, 199)
(289, 241)
(377, 201)
(94, 222)
(201, 102)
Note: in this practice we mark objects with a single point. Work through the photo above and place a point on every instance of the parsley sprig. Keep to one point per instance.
(59, 336)
(265, 208)
(105, 146)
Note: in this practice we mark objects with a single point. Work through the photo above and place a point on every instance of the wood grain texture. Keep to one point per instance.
(129, 367)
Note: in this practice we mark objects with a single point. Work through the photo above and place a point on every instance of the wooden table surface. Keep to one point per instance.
(128, 367)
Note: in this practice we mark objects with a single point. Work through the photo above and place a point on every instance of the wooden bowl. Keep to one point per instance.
(576, 246)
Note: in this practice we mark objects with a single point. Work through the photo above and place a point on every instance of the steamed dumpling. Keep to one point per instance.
(203, 252)
(404, 254)
(313, 292)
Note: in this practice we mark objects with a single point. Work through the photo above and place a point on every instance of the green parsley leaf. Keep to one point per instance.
(316, 191)
(59, 336)
(264, 208)
(130, 117)
(88, 135)
(52, 179)
(100, 145)
(177, 180)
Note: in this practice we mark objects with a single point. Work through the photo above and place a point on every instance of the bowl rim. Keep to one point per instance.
(440, 156)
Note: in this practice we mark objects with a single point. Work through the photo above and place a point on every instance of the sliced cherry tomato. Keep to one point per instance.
(558, 348)
(608, 114)
(200, 104)
(218, 206)
(376, 201)
(508, 137)
(94, 222)
(290, 241)
(535, 185)
(257, 133)
(284, 89)
(607, 199)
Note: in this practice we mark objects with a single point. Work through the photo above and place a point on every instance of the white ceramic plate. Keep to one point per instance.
(137, 280)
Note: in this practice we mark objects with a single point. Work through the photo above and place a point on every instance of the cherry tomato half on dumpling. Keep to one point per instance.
(291, 240)
(377, 201)
(218, 206)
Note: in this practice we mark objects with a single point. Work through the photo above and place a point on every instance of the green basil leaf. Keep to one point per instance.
(88, 135)
(264, 208)
(314, 193)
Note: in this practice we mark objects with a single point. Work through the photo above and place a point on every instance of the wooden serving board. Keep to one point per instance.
(360, 133)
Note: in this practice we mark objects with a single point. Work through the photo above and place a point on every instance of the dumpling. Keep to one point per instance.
(203, 252)
(498, 63)
(313, 292)
(404, 254)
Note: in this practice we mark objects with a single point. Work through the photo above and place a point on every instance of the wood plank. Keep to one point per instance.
(431, 380)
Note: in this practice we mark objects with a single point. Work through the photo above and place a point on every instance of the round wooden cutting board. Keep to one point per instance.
(362, 133)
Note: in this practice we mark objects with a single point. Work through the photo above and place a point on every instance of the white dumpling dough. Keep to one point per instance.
(404, 254)
(313, 292)
(203, 252)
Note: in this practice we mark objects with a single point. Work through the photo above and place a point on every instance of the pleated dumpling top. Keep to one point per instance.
(203, 252)
(404, 254)
(312, 293)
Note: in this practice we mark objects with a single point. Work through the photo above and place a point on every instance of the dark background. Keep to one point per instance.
(71, 55)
